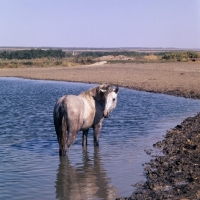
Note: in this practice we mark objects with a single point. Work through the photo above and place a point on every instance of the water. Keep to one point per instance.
(30, 167)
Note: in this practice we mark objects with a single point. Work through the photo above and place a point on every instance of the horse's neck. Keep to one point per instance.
(92, 96)
(94, 93)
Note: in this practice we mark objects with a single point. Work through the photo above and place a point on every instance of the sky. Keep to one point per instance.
(100, 23)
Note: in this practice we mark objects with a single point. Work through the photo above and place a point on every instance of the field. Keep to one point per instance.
(22, 58)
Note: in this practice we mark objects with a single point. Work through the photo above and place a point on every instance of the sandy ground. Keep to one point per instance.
(180, 79)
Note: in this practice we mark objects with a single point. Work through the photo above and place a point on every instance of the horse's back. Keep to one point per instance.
(74, 106)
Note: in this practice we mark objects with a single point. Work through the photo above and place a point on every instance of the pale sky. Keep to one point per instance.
(100, 23)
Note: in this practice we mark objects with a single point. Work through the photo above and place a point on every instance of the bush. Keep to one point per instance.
(180, 56)
(96, 54)
(28, 63)
(31, 54)
(192, 54)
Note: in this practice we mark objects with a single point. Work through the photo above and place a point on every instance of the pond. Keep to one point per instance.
(30, 165)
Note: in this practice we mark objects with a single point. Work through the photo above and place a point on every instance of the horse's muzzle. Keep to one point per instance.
(105, 114)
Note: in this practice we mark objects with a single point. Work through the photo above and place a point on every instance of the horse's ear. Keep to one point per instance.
(102, 90)
(116, 90)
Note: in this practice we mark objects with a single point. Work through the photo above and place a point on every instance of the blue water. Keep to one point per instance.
(30, 167)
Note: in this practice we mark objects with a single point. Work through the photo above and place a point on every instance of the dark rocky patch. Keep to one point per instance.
(175, 174)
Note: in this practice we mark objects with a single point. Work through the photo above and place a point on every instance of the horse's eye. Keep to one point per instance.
(113, 99)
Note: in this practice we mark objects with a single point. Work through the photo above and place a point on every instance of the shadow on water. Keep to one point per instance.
(86, 182)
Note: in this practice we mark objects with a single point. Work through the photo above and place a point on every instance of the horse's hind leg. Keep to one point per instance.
(71, 136)
(84, 139)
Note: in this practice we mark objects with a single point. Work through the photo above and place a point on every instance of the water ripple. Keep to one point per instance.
(30, 166)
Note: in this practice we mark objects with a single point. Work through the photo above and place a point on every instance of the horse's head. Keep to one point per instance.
(109, 97)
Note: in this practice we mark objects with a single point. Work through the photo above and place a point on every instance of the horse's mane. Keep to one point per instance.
(96, 91)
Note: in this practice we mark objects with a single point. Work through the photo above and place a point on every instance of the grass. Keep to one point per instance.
(84, 59)
(181, 56)
(38, 62)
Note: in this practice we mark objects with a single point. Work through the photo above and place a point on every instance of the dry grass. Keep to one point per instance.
(151, 57)
(86, 60)
(39, 62)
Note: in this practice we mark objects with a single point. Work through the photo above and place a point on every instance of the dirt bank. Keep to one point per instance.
(176, 174)
(179, 79)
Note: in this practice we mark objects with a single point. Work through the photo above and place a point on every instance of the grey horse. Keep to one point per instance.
(79, 113)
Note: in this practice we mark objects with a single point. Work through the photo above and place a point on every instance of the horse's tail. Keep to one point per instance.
(60, 122)
(62, 150)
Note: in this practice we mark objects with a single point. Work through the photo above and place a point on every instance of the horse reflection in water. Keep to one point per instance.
(79, 113)
(86, 182)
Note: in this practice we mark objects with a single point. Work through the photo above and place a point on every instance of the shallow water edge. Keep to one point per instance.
(176, 175)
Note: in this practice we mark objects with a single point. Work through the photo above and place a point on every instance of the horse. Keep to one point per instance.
(80, 113)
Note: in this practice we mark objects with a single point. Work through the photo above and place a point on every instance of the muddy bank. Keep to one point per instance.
(175, 174)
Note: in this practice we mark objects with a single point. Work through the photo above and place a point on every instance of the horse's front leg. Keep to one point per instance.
(84, 138)
(96, 134)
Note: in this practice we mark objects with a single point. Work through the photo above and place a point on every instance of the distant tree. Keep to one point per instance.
(33, 53)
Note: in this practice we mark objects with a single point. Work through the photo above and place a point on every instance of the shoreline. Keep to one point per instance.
(176, 174)
(177, 79)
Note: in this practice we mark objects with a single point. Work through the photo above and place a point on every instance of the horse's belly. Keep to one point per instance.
(86, 124)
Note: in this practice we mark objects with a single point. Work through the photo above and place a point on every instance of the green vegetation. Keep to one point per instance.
(32, 54)
(41, 58)
(180, 56)
(96, 54)
(38, 62)
(52, 58)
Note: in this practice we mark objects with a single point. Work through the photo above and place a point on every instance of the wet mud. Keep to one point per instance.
(176, 173)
